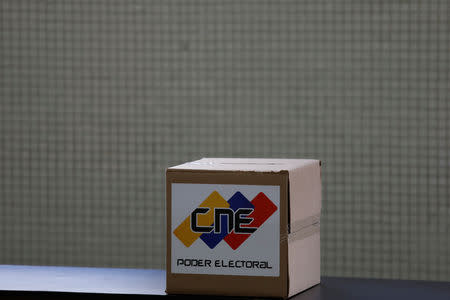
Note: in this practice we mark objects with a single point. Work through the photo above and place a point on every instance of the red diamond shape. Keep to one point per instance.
(264, 208)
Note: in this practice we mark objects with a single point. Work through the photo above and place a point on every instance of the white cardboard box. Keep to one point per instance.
(243, 227)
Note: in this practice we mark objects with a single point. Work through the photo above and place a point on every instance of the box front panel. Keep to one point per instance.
(189, 279)
(225, 229)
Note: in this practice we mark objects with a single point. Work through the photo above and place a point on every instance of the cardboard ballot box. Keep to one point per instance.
(243, 227)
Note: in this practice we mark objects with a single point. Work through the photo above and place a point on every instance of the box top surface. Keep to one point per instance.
(245, 164)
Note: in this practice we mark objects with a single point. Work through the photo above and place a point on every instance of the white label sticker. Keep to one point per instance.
(225, 229)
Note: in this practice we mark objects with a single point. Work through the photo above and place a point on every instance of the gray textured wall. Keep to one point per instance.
(98, 97)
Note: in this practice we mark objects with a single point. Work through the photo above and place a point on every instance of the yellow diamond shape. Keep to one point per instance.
(184, 233)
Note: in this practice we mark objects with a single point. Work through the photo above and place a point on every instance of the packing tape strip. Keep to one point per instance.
(302, 229)
(304, 233)
(300, 224)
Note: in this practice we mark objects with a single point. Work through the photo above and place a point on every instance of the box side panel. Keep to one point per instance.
(304, 263)
(305, 192)
(229, 284)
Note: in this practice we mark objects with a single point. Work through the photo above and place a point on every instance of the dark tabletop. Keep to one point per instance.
(103, 283)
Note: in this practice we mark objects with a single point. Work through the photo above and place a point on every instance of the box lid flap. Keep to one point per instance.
(245, 164)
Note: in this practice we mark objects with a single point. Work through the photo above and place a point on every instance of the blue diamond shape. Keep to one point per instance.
(236, 201)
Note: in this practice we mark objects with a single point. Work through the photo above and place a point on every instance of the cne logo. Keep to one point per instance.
(232, 221)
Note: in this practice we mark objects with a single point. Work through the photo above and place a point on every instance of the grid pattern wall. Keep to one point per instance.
(98, 97)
